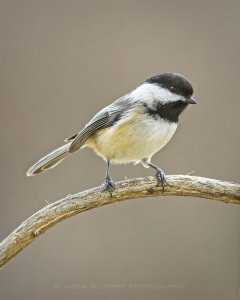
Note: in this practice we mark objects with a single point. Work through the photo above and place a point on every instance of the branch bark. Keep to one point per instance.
(51, 214)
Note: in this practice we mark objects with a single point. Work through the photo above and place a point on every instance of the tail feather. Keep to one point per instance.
(50, 160)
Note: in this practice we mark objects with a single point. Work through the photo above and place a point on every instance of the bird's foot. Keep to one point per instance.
(161, 178)
(108, 185)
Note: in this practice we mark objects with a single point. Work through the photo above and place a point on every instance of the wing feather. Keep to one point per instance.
(103, 119)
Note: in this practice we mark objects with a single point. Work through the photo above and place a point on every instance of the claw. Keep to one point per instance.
(108, 185)
(161, 179)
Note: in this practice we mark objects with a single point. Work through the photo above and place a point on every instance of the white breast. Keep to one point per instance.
(132, 139)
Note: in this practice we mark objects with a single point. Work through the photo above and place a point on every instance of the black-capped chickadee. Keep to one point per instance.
(131, 129)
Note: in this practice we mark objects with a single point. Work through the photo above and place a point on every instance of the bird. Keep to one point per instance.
(131, 129)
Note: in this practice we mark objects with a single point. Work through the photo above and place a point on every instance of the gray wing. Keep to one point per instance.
(103, 119)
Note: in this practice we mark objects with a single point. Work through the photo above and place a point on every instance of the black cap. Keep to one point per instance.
(175, 83)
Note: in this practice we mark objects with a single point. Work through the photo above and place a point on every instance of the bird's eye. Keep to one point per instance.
(173, 89)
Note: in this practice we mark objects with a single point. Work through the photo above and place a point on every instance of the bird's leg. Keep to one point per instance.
(161, 178)
(108, 184)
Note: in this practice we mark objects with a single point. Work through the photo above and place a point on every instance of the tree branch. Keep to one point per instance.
(51, 214)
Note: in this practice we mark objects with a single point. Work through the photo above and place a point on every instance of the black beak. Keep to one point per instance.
(191, 100)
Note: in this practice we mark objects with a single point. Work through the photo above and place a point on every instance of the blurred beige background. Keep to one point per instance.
(62, 61)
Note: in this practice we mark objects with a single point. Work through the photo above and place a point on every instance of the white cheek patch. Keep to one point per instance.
(149, 91)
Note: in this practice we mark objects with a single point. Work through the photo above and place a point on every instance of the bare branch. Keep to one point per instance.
(51, 214)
